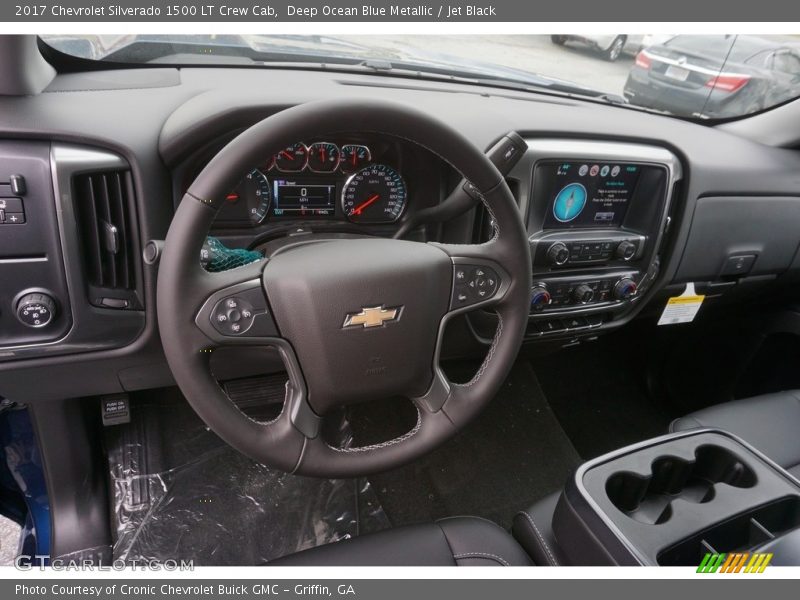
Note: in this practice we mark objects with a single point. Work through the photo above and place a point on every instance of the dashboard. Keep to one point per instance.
(622, 208)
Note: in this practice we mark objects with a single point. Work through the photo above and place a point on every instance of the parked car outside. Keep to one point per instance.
(614, 45)
(715, 76)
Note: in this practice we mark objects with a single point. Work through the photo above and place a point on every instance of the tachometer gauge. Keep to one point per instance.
(323, 157)
(252, 196)
(355, 157)
(292, 159)
(376, 194)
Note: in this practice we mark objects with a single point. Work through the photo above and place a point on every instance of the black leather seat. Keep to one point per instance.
(533, 529)
(769, 422)
(456, 541)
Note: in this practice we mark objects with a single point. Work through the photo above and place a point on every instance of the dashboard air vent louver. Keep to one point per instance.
(104, 203)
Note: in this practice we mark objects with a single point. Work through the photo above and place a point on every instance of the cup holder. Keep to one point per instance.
(649, 499)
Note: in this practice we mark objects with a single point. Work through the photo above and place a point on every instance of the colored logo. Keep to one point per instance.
(583, 170)
(374, 316)
(604, 171)
(569, 202)
(735, 562)
(594, 170)
(615, 170)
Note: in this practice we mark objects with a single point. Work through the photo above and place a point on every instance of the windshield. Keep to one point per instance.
(700, 76)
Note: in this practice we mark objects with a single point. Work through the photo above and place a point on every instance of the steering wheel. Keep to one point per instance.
(353, 319)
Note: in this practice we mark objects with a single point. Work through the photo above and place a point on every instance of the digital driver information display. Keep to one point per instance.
(291, 198)
(586, 194)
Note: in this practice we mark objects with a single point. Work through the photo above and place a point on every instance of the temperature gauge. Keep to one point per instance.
(355, 157)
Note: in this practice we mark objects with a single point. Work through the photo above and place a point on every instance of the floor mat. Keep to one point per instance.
(514, 453)
(601, 403)
(181, 493)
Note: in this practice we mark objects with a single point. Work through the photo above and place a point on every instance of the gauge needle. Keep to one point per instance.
(357, 210)
(355, 157)
(232, 197)
(287, 154)
(322, 153)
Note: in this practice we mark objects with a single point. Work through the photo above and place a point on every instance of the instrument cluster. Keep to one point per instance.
(319, 180)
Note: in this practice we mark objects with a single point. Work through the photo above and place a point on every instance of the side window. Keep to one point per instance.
(786, 62)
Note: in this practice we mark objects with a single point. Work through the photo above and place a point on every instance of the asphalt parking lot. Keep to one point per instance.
(534, 53)
(9, 541)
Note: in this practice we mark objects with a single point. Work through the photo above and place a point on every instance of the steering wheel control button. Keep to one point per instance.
(473, 284)
(36, 310)
(243, 314)
(233, 316)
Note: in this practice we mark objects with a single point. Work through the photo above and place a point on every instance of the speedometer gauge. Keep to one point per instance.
(376, 194)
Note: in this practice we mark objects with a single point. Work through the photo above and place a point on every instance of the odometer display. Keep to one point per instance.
(375, 194)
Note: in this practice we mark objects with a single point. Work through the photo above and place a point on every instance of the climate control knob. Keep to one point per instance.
(625, 288)
(626, 250)
(558, 253)
(540, 297)
(583, 294)
(36, 310)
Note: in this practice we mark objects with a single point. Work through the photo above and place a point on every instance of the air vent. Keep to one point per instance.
(104, 203)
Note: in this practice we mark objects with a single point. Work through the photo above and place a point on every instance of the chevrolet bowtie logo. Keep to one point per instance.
(372, 317)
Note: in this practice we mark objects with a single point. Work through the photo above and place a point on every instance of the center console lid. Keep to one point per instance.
(671, 500)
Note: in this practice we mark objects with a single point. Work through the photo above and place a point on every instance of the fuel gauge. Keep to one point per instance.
(355, 157)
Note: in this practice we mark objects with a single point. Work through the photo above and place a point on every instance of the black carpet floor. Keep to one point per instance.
(600, 399)
(514, 453)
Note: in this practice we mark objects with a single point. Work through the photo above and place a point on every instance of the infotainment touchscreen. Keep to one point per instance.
(585, 193)
(292, 198)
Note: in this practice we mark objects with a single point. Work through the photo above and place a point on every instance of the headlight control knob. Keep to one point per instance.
(36, 310)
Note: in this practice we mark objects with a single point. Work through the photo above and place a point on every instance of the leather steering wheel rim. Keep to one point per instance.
(291, 442)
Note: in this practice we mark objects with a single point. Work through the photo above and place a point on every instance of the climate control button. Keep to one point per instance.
(540, 296)
(583, 294)
(625, 288)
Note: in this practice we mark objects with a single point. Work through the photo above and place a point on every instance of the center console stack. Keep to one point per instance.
(673, 500)
(596, 216)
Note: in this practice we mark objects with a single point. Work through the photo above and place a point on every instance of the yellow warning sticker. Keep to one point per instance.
(683, 308)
